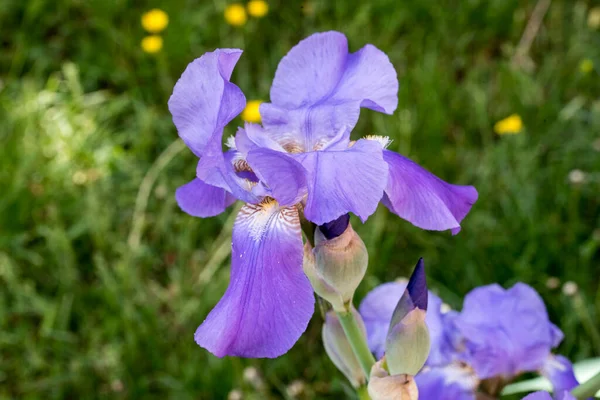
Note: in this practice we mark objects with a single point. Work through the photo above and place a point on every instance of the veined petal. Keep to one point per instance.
(254, 135)
(283, 175)
(319, 89)
(497, 346)
(451, 382)
(269, 301)
(422, 198)
(310, 71)
(201, 200)
(204, 101)
(559, 371)
(345, 181)
(217, 170)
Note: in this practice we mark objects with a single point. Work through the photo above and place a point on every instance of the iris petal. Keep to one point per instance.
(269, 301)
(345, 181)
(319, 88)
(201, 200)
(204, 101)
(422, 198)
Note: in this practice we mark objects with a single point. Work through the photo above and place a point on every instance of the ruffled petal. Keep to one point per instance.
(269, 301)
(284, 176)
(559, 371)
(310, 71)
(319, 89)
(204, 101)
(201, 200)
(422, 198)
(345, 181)
(451, 382)
(497, 346)
(218, 170)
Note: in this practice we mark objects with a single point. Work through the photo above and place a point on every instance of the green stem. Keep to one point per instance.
(357, 340)
(588, 388)
(363, 393)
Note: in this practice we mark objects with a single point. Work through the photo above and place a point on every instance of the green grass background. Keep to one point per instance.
(89, 311)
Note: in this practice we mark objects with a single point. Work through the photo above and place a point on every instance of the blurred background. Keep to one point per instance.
(103, 280)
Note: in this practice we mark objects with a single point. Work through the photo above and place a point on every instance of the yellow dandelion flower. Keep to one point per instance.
(155, 20)
(152, 44)
(586, 66)
(251, 112)
(258, 8)
(510, 125)
(594, 18)
(235, 14)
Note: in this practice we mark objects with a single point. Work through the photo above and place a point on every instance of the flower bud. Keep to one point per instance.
(340, 264)
(339, 350)
(407, 344)
(382, 386)
(319, 285)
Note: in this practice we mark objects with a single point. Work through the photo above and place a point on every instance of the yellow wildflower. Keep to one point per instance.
(235, 14)
(586, 66)
(594, 18)
(155, 20)
(510, 125)
(258, 8)
(251, 112)
(152, 44)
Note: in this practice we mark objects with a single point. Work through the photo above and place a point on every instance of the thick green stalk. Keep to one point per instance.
(363, 393)
(588, 388)
(357, 340)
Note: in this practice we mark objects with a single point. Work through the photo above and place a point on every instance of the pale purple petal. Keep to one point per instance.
(284, 176)
(538, 396)
(345, 181)
(269, 301)
(495, 344)
(204, 101)
(563, 395)
(559, 371)
(201, 200)
(422, 198)
(217, 170)
(451, 382)
(253, 135)
(310, 71)
(319, 89)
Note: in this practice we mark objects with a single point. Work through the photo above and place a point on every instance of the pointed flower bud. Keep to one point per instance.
(339, 350)
(340, 263)
(407, 344)
(382, 386)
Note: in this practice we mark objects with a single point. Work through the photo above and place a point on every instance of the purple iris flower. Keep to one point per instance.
(559, 371)
(301, 158)
(564, 395)
(451, 382)
(506, 332)
(377, 309)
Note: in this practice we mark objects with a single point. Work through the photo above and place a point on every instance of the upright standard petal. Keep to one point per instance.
(201, 200)
(204, 101)
(422, 198)
(497, 346)
(269, 301)
(345, 181)
(319, 89)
